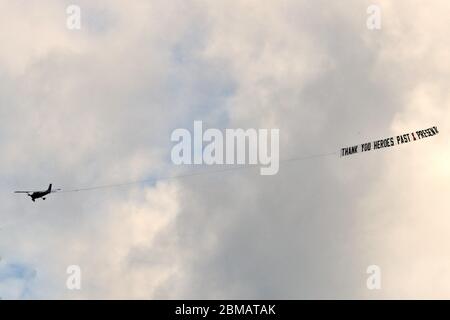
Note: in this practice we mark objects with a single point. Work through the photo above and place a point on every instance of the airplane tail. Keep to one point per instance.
(50, 188)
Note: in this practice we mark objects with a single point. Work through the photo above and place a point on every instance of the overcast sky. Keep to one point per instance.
(96, 106)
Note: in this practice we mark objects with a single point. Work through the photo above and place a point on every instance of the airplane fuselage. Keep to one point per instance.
(39, 194)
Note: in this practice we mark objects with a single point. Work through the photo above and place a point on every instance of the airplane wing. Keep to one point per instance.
(23, 191)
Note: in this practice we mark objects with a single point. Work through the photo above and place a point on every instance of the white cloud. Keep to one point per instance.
(97, 106)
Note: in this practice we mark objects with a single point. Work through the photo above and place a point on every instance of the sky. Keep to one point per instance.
(96, 106)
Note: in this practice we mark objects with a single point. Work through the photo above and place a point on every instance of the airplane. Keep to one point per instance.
(39, 194)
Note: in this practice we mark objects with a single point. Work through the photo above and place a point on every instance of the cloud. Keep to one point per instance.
(15, 280)
(97, 106)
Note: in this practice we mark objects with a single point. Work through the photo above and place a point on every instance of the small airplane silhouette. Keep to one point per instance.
(39, 194)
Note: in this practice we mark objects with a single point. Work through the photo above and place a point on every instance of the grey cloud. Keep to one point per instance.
(99, 107)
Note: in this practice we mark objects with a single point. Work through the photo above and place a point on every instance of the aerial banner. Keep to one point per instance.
(389, 142)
